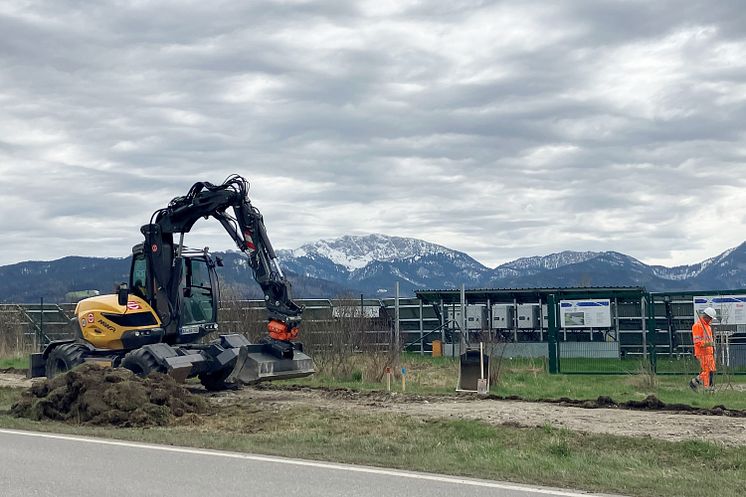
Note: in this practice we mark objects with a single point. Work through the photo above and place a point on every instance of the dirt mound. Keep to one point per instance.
(95, 395)
(649, 403)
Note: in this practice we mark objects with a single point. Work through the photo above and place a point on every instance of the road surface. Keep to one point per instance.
(45, 464)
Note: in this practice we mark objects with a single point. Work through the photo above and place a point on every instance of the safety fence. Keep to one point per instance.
(632, 345)
(607, 358)
(327, 325)
(25, 328)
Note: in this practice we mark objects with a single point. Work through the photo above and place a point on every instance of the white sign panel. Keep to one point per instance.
(731, 309)
(592, 313)
(368, 311)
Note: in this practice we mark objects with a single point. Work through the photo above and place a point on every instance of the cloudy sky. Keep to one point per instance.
(502, 129)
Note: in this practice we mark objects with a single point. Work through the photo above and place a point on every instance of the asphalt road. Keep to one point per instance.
(40, 464)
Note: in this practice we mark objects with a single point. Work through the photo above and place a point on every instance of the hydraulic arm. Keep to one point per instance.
(245, 226)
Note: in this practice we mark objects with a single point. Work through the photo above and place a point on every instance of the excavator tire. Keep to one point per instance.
(141, 362)
(215, 382)
(64, 358)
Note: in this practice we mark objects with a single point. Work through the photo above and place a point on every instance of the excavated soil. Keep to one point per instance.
(646, 418)
(95, 395)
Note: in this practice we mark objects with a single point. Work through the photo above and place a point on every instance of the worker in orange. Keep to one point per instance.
(704, 349)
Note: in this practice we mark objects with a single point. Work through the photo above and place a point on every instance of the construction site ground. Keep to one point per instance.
(724, 427)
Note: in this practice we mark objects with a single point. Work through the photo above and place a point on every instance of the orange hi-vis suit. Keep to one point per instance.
(701, 334)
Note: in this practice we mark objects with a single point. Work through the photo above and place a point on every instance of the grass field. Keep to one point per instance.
(545, 455)
(529, 380)
(18, 362)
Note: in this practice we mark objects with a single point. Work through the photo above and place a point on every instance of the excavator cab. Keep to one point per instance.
(192, 312)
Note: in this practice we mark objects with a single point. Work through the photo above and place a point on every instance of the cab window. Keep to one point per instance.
(139, 276)
(197, 295)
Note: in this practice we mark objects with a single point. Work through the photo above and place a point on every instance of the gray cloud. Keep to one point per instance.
(502, 129)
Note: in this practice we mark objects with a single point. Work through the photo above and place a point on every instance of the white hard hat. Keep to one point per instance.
(710, 312)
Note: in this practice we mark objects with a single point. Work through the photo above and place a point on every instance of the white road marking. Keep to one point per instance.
(300, 462)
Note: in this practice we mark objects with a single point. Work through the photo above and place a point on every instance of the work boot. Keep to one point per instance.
(695, 383)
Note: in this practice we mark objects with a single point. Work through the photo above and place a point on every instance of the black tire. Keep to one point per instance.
(64, 358)
(141, 362)
(215, 382)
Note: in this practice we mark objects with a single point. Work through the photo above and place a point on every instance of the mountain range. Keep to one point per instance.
(371, 265)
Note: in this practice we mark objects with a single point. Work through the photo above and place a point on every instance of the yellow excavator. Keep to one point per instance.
(159, 320)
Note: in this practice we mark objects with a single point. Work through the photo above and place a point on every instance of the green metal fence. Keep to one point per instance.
(648, 332)
(663, 345)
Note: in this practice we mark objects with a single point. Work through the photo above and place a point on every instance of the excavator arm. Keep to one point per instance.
(245, 225)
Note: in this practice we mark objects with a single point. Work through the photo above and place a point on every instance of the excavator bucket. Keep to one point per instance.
(259, 362)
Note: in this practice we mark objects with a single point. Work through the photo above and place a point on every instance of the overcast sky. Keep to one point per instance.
(501, 129)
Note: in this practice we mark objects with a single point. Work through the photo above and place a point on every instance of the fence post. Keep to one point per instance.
(552, 333)
(41, 323)
(651, 332)
(397, 332)
(422, 329)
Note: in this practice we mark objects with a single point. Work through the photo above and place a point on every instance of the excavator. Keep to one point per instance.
(158, 322)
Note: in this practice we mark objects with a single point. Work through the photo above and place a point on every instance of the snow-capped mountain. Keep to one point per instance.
(532, 265)
(372, 265)
(356, 252)
(693, 270)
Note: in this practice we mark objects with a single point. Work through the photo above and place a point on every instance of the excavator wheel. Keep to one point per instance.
(215, 382)
(141, 362)
(64, 358)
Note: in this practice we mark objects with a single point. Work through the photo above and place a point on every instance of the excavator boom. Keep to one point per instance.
(229, 204)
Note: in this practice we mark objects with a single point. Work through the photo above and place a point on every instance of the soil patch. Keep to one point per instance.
(649, 403)
(12, 380)
(605, 417)
(95, 395)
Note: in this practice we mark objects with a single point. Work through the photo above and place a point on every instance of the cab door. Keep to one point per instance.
(199, 298)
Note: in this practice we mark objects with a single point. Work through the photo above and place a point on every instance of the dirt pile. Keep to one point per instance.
(649, 403)
(95, 395)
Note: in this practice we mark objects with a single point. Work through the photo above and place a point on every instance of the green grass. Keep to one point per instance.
(529, 380)
(670, 389)
(547, 455)
(18, 362)
(526, 378)
(8, 396)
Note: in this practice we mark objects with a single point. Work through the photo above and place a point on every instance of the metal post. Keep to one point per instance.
(552, 331)
(442, 327)
(422, 325)
(396, 325)
(362, 321)
(651, 331)
(541, 320)
(643, 314)
(616, 322)
(464, 330)
(41, 323)
(515, 320)
(489, 326)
